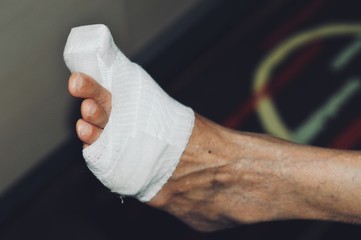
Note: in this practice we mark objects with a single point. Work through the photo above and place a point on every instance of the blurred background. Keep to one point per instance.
(287, 68)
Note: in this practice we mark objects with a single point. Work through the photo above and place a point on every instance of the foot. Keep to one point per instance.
(221, 180)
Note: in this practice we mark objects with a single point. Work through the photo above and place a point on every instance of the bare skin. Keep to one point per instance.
(226, 178)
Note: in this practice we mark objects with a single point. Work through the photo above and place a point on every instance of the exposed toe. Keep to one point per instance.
(87, 132)
(94, 113)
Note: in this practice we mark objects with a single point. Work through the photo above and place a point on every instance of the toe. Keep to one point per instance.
(94, 113)
(87, 132)
(82, 86)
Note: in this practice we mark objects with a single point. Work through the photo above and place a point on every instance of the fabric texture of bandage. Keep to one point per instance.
(147, 132)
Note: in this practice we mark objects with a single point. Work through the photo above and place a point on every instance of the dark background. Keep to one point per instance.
(211, 67)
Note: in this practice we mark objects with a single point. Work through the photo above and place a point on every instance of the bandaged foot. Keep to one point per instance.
(147, 131)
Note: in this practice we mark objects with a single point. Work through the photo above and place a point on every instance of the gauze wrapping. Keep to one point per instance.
(147, 132)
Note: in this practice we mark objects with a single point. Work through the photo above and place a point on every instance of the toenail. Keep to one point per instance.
(90, 108)
(77, 83)
(84, 129)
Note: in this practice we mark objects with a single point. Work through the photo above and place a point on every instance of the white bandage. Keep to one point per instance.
(147, 132)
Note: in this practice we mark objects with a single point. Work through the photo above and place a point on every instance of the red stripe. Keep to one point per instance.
(301, 17)
(217, 50)
(285, 77)
(350, 137)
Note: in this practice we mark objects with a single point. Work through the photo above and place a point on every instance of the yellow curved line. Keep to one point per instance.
(266, 110)
(273, 119)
